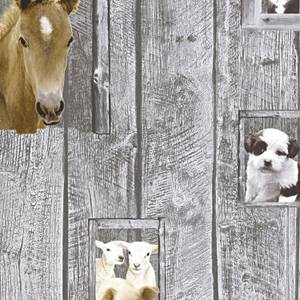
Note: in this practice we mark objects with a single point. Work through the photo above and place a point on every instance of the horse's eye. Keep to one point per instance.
(70, 41)
(23, 42)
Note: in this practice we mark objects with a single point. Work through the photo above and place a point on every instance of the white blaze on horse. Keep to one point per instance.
(35, 36)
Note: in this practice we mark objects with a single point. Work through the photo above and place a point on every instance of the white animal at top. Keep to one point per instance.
(121, 289)
(140, 271)
(112, 254)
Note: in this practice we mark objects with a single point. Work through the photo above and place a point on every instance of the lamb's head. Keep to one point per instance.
(139, 255)
(112, 252)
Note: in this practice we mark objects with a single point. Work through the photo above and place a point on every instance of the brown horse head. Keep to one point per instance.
(45, 35)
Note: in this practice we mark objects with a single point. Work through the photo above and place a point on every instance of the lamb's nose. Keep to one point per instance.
(268, 163)
(121, 258)
(136, 265)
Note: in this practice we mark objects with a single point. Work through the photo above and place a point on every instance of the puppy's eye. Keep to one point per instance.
(23, 42)
(281, 153)
(70, 42)
(107, 249)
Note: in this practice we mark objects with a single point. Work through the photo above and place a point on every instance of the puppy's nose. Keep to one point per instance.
(268, 163)
(121, 258)
(136, 265)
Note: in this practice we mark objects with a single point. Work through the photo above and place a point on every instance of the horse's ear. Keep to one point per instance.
(23, 4)
(70, 5)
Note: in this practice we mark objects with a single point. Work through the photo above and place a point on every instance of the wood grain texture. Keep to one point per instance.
(31, 200)
(101, 66)
(100, 168)
(177, 107)
(255, 70)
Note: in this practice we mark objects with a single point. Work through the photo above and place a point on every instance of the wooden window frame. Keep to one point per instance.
(126, 224)
(247, 114)
(252, 18)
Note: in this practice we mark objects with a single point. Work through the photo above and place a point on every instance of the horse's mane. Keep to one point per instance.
(8, 20)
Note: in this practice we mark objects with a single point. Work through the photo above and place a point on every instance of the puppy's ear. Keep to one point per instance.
(149, 293)
(249, 142)
(293, 148)
(109, 294)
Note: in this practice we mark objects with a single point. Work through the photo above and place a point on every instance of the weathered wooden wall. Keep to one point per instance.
(257, 70)
(31, 206)
(179, 73)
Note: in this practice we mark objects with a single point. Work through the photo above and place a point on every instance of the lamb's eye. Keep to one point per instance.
(129, 252)
(148, 254)
(107, 249)
(23, 42)
(281, 153)
(70, 41)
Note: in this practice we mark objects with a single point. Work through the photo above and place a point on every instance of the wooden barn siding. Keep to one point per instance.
(257, 253)
(160, 148)
(100, 167)
(31, 206)
(177, 116)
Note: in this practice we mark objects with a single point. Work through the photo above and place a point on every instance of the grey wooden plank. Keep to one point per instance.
(177, 114)
(101, 63)
(31, 201)
(277, 114)
(100, 168)
(255, 71)
(127, 223)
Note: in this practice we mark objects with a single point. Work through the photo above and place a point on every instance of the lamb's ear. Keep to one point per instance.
(22, 4)
(99, 244)
(70, 6)
(109, 294)
(154, 249)
(149, 293)
(293, 148)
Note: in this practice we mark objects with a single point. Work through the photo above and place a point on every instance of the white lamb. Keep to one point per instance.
(121, 289)
(112, 254)
(140, 271)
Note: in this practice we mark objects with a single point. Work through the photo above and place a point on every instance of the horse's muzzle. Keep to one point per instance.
(50, 116)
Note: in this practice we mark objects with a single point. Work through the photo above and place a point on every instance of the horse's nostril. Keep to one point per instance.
(61, 108)
(42, 111)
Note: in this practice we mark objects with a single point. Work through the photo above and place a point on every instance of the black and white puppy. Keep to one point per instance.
(271, 170)
(283, 6)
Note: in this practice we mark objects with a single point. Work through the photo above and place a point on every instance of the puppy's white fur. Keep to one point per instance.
(264, 184)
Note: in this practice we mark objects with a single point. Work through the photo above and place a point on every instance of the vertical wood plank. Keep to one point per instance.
(177, 113)
(31, 201)
(101, 66)
(255, 70)
(100, 168)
